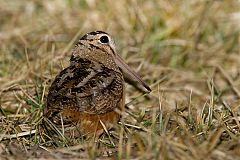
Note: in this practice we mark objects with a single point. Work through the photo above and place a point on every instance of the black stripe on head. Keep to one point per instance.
(93, 34)
(97, 32)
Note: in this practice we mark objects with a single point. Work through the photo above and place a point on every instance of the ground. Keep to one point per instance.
(187, 51)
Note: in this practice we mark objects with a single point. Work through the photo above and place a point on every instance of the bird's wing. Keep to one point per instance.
(86, 87)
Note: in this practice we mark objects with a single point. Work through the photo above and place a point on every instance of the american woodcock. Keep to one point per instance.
(87, 93)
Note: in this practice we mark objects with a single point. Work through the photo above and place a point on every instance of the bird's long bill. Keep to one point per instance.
(127, 69)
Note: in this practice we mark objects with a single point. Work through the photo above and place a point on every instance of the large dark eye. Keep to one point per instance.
(104, 39)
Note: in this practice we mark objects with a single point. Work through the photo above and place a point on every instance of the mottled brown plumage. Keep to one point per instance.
(90, 88)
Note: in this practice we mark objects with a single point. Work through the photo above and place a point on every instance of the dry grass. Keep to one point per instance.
(187, 50)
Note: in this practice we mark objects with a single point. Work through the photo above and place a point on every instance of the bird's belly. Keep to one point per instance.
(89, 124)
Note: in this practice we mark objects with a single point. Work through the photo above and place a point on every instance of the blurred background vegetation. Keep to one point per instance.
(188, 51)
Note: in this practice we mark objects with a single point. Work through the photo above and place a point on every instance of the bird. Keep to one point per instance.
(87, 94)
